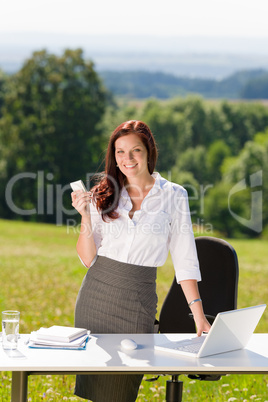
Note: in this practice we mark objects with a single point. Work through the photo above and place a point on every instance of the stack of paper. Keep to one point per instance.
(59, 337)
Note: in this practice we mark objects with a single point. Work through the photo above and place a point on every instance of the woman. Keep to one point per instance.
(130, 221)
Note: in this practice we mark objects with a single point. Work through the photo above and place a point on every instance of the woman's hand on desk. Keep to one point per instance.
(202, 325)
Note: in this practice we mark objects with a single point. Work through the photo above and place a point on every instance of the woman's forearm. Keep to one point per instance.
(191, 292)
(86, 247)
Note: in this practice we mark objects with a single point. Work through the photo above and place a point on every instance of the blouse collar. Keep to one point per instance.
(156, 187)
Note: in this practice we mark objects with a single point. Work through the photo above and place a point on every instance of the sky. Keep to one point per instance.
(238, 18)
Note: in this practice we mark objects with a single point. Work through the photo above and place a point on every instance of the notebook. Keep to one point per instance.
(231, 330)
(60, 333)
(77, 344)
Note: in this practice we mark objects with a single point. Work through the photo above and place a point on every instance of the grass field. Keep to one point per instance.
(41, 275)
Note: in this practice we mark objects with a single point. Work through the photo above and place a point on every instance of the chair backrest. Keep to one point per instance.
(218, 288)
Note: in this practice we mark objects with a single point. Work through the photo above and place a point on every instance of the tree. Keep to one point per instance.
(53, 109)
(251, 159)
(194, 160)
(251, 167)
(3, 89)
(217, 153)
(217, 210)
(245, 120)
(169, 130)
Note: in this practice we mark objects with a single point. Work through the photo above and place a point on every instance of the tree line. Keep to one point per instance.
(248, 84)
(55, 119)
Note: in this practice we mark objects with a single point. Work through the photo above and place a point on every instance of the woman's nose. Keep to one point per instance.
(130, 155)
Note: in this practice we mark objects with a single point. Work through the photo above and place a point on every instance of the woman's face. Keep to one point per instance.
(131, 156)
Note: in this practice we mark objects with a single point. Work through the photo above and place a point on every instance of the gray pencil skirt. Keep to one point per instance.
(115, 297)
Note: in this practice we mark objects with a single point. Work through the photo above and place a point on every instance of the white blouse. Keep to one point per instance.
(162, 224)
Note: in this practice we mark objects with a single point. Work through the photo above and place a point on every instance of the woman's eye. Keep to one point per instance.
(137, 150)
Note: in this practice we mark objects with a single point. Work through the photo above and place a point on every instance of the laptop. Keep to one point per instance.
(231, 330)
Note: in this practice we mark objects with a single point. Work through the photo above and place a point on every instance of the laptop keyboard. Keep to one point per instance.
(191, 348)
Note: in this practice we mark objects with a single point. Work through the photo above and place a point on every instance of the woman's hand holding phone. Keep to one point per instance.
(81, 198)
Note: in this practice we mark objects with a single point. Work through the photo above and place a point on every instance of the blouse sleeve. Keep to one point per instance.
(182, 243)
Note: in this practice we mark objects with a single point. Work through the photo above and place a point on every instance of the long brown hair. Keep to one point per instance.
(107, 191)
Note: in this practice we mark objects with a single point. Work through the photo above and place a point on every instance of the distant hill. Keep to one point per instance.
(252, 84)
(182, 56)
(256, 88)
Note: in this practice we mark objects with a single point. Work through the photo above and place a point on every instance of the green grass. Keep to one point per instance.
(41, 275)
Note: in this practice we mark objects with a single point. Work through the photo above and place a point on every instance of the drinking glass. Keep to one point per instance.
(10, 329)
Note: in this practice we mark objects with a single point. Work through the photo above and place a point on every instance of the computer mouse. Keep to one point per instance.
(128, 344)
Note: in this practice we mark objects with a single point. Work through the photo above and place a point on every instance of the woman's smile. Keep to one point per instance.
(131, 166)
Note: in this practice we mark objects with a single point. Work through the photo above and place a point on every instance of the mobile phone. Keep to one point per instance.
(78, 185)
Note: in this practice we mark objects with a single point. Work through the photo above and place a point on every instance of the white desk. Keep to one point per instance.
(104, 355)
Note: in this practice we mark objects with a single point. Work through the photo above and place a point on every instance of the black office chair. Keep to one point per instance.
(218, 291)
